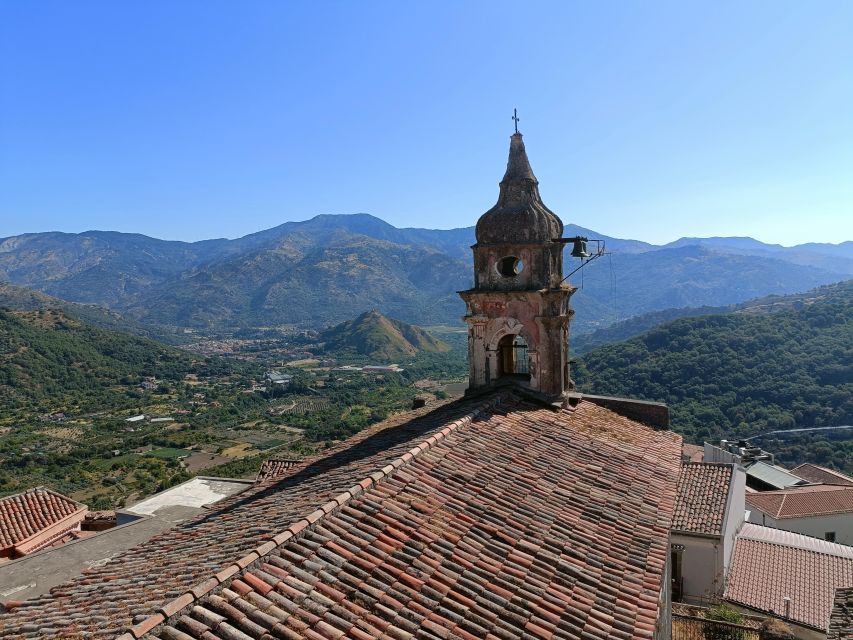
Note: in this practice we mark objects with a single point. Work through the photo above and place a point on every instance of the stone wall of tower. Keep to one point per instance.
(543, 266)
(540, 317)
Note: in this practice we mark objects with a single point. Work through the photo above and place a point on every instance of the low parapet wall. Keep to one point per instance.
(653, 414)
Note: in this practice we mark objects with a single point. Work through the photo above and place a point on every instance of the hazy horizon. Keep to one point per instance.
(297, 220)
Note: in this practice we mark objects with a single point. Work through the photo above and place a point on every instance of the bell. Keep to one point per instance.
(579, 248)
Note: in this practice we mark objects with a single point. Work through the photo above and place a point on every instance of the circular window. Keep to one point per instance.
(510, 266)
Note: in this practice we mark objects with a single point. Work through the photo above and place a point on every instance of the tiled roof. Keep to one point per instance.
(692, 452)
(703, 492)
(815, 473)
(770, 564)
(841, 618)
(275, 468)
(799, 502)
(26, 514)
(509, 518)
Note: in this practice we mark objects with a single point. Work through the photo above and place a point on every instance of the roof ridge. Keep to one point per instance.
(844, 551)
(224, 576)
(781, 505)
(776, 543)
(40, 487)
(707, 464)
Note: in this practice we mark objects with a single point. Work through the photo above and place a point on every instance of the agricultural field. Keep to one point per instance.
(150, 433)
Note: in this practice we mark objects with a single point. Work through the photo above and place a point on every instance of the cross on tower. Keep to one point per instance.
(515, 118)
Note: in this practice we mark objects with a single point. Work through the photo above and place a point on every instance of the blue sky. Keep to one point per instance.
(650, 120)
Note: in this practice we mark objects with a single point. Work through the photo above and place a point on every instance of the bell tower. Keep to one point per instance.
(518, 311)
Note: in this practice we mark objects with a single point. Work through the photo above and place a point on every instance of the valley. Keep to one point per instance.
(108, 418)
(274, 331)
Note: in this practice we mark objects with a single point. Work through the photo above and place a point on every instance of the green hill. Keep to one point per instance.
(373, 335)
(22, 299)
(51, 361)
(775, 365)
(640, 324)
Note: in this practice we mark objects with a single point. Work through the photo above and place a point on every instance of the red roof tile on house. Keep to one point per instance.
(800, 502)
(815, 473)
(841, 618)
(494, 516)
(275, 468)
(24, 516)
(692, 452)
(770, 564)
(703, 492)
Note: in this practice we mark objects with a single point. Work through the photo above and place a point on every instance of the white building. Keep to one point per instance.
(709, 512)
(822, 511)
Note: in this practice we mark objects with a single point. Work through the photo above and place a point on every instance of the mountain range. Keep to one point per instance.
(324, 270)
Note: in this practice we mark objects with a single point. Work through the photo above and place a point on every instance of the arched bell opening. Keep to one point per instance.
(513, 358)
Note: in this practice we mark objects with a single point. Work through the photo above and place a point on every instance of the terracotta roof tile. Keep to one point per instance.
(692, 452)
(769, 565)
(517, 521)
(276, 468)
(841, 618)
(815, 473)
(27, 514)
(703, 492)
(798, 502)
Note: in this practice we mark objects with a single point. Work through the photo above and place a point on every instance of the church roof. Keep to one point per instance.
(519, 216)
(491, 516)
(275, 468)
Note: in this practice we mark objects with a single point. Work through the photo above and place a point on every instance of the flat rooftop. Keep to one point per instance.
(39, 572)
(186, 499)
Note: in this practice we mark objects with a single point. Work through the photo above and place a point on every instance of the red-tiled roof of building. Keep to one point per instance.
(692, 452)
(815, 473)
(275, 468)
(841, 618)
(703, 493)
(769, 565)
(25, 515)
(800, 502)
(508, 518)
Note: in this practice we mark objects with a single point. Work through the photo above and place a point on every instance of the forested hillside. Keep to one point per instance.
(51, 362)
(13, 298)
(740, 374)
(373, 335)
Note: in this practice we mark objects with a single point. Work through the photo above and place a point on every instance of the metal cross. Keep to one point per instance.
(515, 118)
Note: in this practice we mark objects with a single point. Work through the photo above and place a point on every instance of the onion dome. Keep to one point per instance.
(520, 216)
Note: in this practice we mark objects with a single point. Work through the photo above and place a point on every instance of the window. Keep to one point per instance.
(510, 266)
(512, 356)
(829, 536)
